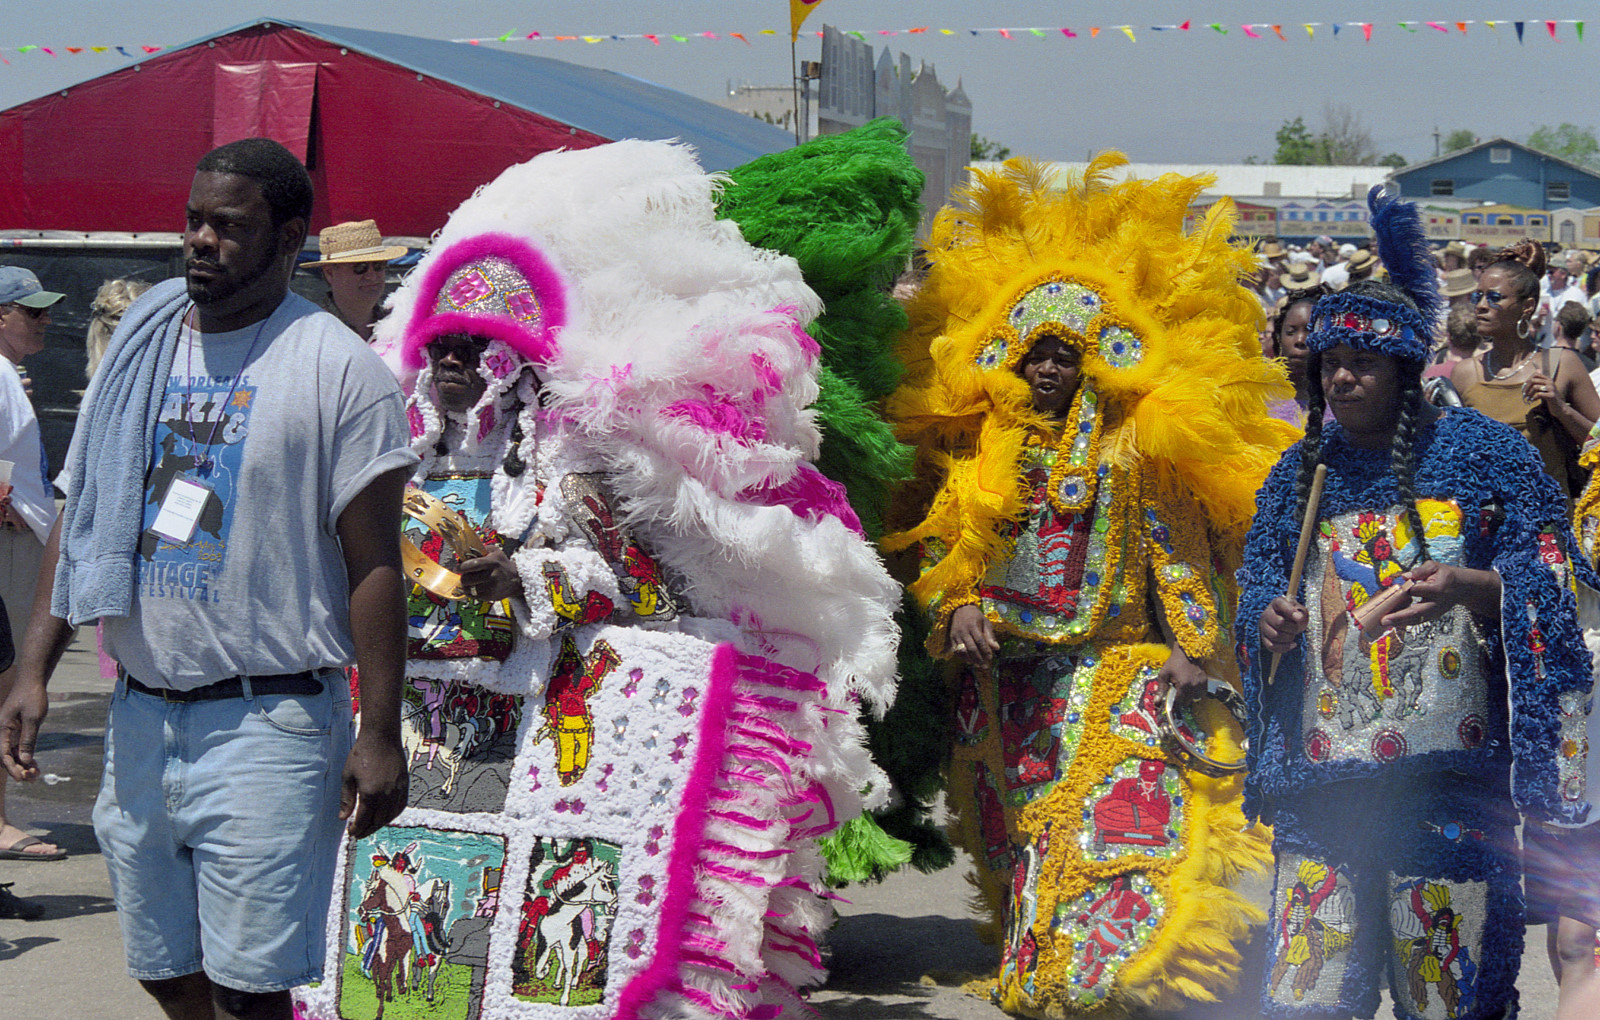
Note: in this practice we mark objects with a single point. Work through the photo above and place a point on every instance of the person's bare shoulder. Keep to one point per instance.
(1571, 366)
(1461, 374)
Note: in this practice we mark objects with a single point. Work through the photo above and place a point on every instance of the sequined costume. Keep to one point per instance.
(1088, 544)
(1391, 763)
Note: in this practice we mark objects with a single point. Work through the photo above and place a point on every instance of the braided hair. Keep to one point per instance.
(1402, 452)
(1311, 445)
(513, 464)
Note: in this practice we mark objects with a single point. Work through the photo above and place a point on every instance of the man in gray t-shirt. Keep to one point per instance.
(265, 558)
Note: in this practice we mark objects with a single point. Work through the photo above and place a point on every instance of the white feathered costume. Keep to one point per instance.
(675, 875)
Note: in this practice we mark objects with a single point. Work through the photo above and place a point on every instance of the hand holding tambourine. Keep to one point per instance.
(460, 536)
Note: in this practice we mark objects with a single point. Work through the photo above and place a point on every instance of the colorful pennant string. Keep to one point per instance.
(1253, 31)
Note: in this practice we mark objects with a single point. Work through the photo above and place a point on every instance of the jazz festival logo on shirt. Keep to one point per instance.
(200, 435)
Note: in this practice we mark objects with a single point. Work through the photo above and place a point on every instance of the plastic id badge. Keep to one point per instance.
(180, 510)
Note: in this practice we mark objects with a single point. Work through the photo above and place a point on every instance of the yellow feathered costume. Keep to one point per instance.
(1090, 544)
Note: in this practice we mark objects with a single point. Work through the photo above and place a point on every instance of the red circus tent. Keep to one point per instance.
(392, 127)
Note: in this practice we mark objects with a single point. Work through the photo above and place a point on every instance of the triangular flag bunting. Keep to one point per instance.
(1336, 27)
(1409, 26)
(1037, 31)
(1552, 27)
(1579, 26)
(151, 49)
(26, 49)
(1250, 32)
(48, 50)
(506, 37)
(74, 49)
(1184, 26)
(740, 36)
(1277, 30)
(1366, 30)
(99, 49)
(1435, 24)
(1127, 30)
(655, 40)
(1518, 26)
(1005, 33)
(124, 53)
(1215, 27)
(1069, 33)
(533, 35)
(1463, 26)
(1094, 33)
(1311, 32)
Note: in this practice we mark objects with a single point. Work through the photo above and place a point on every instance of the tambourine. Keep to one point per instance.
(1194, 757)
(430, 512)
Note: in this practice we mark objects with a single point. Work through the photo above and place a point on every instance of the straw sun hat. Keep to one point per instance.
(356, 241)
(1300, 277)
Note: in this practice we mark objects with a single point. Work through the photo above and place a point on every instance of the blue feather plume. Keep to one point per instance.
(1403, 247)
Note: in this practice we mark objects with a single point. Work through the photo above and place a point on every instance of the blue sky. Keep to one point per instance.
(1170, 97)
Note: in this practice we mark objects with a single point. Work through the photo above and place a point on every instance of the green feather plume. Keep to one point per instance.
(846, 208)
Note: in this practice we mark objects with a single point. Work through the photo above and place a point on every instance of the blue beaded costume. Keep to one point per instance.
(1392, 764)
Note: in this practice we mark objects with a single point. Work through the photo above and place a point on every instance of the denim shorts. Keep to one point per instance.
(219, 822)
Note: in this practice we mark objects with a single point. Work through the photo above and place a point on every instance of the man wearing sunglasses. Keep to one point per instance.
(354, 262)
(27, 506)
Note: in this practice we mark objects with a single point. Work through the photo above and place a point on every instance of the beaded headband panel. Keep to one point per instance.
(491, 285)
(1071, 311)
(1370, 324)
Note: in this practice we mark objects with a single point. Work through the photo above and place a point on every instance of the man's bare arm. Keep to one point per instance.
(24, 707)
(375, 777)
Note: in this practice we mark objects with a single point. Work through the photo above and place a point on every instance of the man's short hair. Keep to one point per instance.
(283, 179)
(1573, 320)
(1480, 256)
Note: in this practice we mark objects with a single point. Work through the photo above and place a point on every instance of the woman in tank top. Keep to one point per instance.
(1544, 394)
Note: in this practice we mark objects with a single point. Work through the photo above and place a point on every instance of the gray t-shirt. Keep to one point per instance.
(286, 422)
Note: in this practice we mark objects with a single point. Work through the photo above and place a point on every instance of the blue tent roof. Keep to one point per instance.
(605, 103)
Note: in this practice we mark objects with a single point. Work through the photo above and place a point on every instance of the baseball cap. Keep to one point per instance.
(19, 286)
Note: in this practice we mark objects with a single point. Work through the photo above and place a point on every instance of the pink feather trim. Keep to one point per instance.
(689, 834)
(810, 494)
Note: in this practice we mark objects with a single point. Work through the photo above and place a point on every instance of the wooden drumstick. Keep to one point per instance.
(1308, 528)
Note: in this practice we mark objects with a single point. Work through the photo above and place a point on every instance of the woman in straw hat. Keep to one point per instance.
(353, 261)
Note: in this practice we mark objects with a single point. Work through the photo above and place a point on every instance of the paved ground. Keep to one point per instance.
(899, 951)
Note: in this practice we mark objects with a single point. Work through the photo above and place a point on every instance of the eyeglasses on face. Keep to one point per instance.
(1494, 296)
(32, 313)
(464, 347)
(362, 268)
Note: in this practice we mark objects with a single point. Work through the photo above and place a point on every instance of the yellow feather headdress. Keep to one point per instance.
(1168, 336)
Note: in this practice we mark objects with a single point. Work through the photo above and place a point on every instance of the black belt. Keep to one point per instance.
(306, 682)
